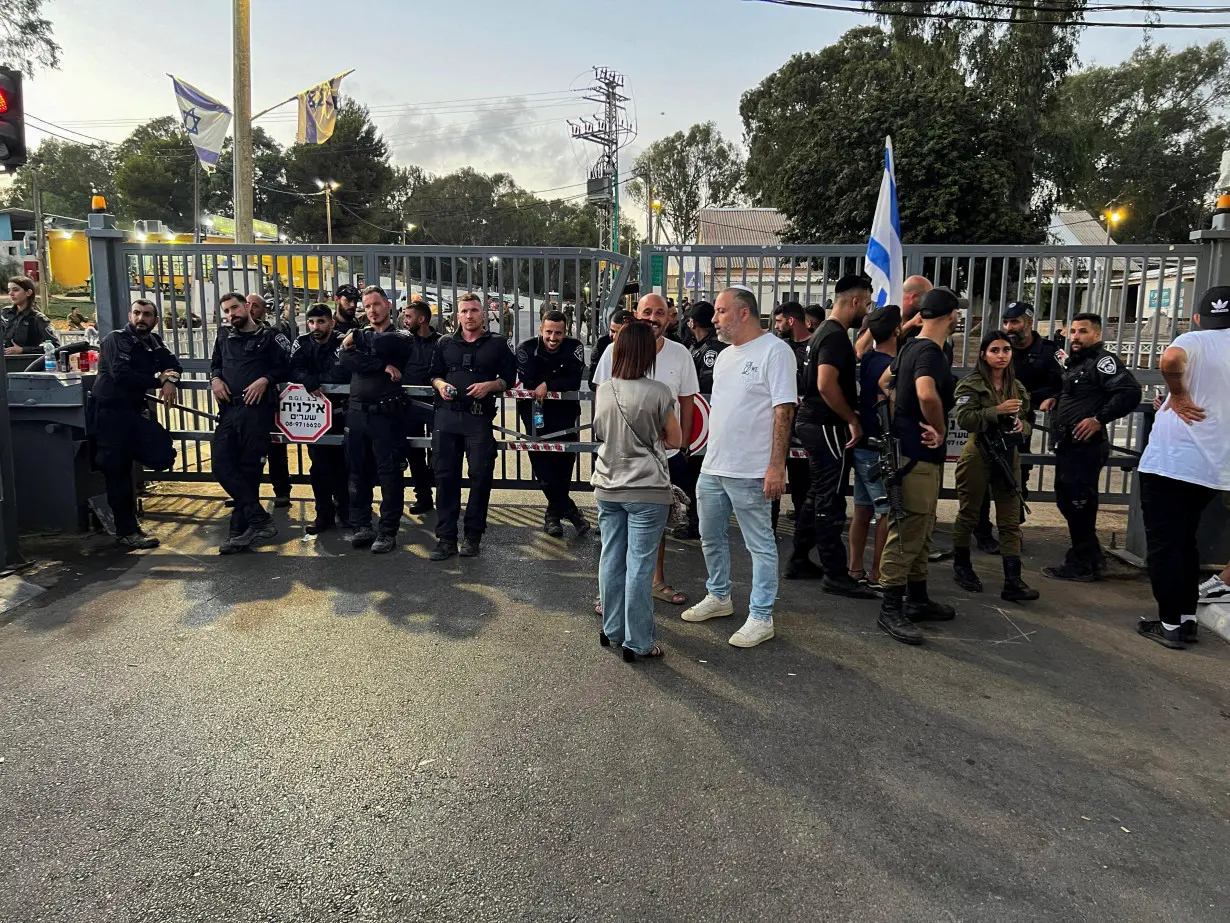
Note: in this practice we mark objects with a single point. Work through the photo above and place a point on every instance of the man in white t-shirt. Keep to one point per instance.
(1185, 465)
(675, 369)
(755, 389)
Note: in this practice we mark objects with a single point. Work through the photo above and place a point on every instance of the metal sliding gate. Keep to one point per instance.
(1143, 293)
(187, 281)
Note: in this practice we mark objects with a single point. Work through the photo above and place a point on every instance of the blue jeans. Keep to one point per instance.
(716, 498)
(630, 536)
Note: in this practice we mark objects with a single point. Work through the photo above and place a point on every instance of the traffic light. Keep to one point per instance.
(12, 121)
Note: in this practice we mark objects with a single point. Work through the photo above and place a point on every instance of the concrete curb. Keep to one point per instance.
(1215, 617)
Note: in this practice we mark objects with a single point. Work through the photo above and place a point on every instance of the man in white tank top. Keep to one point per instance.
(1185, 465)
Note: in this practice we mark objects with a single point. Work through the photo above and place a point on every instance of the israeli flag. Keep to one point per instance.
(884, 263)
(205, 120)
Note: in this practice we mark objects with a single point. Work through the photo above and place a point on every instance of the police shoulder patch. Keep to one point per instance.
(579, 352)
(710, 358)
(963, 399)
(1107, 365)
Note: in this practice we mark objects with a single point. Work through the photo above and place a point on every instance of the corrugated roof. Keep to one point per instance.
(735, 226)
(1077, 228)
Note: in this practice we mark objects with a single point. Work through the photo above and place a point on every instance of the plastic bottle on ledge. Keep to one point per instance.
(49, 356)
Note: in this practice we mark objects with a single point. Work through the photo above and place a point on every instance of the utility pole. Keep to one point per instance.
(40, 244)
(244, 177)
(329, 212)
(196, 200)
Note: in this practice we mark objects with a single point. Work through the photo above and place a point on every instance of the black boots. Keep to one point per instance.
(892, 619)
(963, 570)
(1015, 589)
(579, 522)
(919, 607)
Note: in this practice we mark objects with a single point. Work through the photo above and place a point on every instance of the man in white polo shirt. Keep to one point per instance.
(755, 389)
(1186, 464)
(675, 369)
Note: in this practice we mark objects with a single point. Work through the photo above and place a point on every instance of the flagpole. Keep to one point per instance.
(196, 200)
(244, 176)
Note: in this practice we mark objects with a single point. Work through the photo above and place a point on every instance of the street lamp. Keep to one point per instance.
(409, 230)
(327, 188)
(654, 227)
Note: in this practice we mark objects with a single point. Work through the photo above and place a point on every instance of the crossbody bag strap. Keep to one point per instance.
(653, 449)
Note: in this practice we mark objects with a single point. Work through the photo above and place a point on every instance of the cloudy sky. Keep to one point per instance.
(485, 83)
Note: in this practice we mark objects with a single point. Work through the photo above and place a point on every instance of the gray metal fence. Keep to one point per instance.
(186, 282)
(1143, 293)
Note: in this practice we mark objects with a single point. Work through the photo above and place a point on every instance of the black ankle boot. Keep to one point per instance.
(893, 621)
(963, 571)
(1016, 589)
(919, 607)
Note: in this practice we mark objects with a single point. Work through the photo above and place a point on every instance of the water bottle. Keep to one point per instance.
(49, 356)
(539, 421)
(91, 337)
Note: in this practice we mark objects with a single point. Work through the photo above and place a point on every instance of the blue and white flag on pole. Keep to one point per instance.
(205, 119)
(884, 263)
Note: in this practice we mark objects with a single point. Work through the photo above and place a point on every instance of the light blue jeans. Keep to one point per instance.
(716, 498)
(630, 536)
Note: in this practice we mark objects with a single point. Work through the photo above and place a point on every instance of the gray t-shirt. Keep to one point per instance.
(631, 463)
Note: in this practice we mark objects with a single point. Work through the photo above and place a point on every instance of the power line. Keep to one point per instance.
(1006, 20)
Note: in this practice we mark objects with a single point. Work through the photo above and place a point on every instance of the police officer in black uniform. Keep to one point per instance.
(1035, 366)
(1097, 390)
(376, 422)
(263, 309)
(552, 361)
(790, 321)
(24, 327)
(416, 320)
(131, 362)
(472, 367)
(314, 362)
(347, 300)
(704, 349)
(246, 367)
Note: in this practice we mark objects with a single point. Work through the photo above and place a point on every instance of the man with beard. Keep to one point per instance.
(131, 362)
(247, 363)
(813, 318)
(1097, 390)
(618, 319)
(416, 320)
(346, 319)
(675, 369)
(286, 332)
(313, 362)
(552, 361)
(828, 427)
(376, 422)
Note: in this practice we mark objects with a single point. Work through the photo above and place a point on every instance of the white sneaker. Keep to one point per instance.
(708, 608)
(1214, 588)
(753, 632)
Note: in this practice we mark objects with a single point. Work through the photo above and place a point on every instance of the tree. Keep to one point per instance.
(68, 174)
(357, 158)
(271, 199)
(25, 36)
(154, 175)
(816, 131)
(1147, 135)
(688, 172)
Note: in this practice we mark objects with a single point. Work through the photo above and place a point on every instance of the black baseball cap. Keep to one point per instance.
(702, 313)
(939, 302)
(1214, 308)
(1018, 309)
(347, 291)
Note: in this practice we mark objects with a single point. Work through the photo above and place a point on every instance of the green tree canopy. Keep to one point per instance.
(68, 174)
(26, 36)
(816, 131)
(1146, 135)
(154, 174)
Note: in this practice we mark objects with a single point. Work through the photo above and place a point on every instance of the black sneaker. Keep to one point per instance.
(138, 541)
(551, 525)
(234, 543)
(362, 537)
(842, 585)
(469, 547)
(1068, 572)
(443, 551)
(928, 611)
(419, 507)
(1189, 632)
(802, 569)
(262, 533)
(1166, 637)
(281, 503)
(316, 526)
(579, 522)
(384, 544)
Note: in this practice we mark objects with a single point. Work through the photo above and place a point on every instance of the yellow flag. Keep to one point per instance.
(318, 111)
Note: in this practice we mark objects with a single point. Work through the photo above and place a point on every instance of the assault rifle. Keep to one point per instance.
(889, 466)
(997, 447)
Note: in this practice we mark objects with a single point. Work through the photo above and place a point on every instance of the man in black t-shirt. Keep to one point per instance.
(827, 425)
(922, 398)
(790, 320)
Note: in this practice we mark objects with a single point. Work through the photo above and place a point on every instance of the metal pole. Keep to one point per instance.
(40, 243)
(196, 201)
(329, 212)
(244, 177)
(648, 208)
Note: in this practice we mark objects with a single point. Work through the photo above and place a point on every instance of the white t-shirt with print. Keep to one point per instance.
(674, 368)
(748, 382)
(1200, 453)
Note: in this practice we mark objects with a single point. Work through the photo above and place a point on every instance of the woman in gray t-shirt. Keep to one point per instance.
(634, 419)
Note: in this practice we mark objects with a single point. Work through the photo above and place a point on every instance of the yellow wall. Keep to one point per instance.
(68, 258)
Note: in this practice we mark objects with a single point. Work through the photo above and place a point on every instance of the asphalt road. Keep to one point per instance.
(315, 734)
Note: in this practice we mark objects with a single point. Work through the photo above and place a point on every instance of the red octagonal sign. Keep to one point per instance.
(303, 417)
